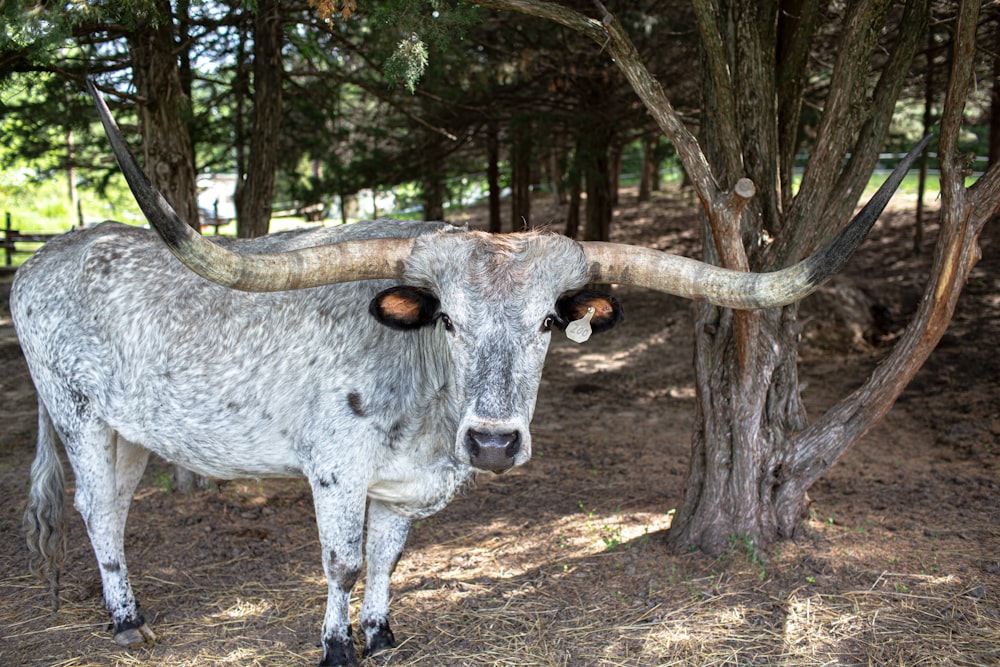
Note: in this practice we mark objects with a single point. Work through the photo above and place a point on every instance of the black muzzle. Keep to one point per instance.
(492, 451)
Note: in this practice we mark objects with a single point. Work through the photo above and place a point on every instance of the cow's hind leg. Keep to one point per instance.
(387, 532)
(107, 470)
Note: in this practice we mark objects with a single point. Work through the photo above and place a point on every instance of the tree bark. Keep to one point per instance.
(617, 152)
(433, 191)
(994, 98)
(810, 219)
(741, 479)
(918, 228)
(594, 148)
(650, 169)
(797, 23)
(254, 195)
(520, 176)
(74, 201)
(493, 174)
(556, 174)
(574, 181)
(964, 214)
(166, 143)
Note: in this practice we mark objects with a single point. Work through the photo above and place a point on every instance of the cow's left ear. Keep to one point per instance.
(607, 311)
(404, 307)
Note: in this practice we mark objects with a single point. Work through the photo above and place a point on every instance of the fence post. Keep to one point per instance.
(8, 245)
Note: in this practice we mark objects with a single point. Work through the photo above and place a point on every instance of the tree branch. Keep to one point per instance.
(724, 115)
(797, 25)
(843, 112)
(724, 219)
(549, 10)
(817, 447)
(854, 178)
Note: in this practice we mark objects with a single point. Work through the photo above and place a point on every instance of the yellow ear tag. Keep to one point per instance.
(579, 330)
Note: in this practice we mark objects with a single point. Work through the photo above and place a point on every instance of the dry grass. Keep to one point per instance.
(583, 608)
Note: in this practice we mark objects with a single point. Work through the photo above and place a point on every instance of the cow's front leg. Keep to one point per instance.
(340, 512)
(387, 532)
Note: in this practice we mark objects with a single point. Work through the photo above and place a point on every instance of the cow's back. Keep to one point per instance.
(179, 364)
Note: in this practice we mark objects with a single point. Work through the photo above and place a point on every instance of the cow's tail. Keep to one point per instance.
(45, 515)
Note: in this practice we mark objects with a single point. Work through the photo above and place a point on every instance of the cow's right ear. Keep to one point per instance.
(404, 307)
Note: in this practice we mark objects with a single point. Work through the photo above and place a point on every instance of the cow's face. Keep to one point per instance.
(495, 302)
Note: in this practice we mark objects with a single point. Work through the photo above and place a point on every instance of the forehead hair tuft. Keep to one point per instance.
(499, 264)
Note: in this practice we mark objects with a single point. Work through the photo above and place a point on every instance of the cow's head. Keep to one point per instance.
(496, 297)
(495, 301)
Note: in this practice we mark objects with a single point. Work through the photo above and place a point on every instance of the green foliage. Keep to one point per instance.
(610, 536)
(28, 28)
(40, 29)
(344, 128)
(745, 544)
(432, 24)
(408, 63)
(42, 205)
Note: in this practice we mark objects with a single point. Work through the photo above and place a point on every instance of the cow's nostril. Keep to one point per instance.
(492, 451)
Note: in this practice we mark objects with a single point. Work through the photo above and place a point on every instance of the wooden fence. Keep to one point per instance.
(11, 237)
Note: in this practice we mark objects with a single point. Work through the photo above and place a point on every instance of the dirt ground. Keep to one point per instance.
(564, 561)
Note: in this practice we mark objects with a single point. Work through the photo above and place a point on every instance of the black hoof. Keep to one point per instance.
(339, 652)
(378, 637)
(135, 633)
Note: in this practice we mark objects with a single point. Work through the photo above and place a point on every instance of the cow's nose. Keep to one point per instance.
(492, 451)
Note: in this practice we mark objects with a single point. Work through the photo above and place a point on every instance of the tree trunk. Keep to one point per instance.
(166, 143)
(556, 174)
(615, 171)
(74, 201)
(593, 152)
(964, 214)
(493, 174)
(649, 175)
(520, 176)
(752, 460)
(741, 481)
(797, 22)
(241, 124)
(575, 183)
(918, 229)
(994, 99)
(433, 188)
(253, 203)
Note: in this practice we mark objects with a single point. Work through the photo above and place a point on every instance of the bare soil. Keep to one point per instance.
(564, 561)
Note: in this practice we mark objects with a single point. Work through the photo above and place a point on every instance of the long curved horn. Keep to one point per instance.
(644, 267)
(308, 267)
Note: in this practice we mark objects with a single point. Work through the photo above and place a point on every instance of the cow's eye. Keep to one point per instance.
(446, 321)
(548, 322)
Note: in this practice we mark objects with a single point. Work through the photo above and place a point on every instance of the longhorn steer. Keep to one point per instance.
(411, 362)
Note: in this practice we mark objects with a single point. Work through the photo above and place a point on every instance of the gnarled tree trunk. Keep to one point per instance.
(754, 457)
(744, 475)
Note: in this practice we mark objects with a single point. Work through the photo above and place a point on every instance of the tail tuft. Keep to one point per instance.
(45, 515)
